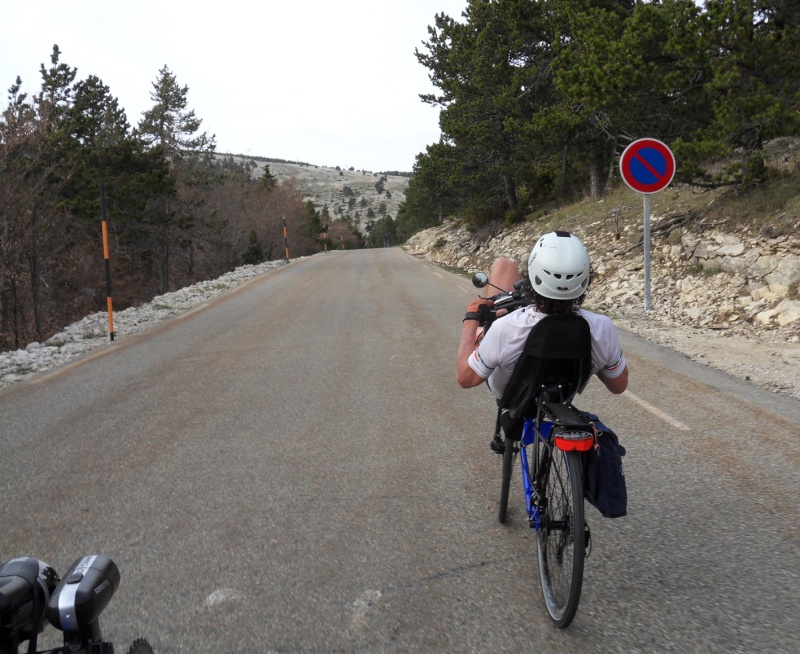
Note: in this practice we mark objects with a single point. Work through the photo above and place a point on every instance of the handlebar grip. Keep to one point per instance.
(483, 315)
(486, 313)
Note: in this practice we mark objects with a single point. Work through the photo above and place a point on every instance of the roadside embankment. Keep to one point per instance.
(727, 299)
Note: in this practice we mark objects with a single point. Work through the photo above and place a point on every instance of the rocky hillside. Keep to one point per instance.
(342, 190)
(739, 283)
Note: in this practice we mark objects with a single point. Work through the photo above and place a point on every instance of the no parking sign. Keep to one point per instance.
(647, 166)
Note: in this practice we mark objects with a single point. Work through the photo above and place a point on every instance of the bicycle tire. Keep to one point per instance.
(140, 646)
(561, 538)
(508, 465)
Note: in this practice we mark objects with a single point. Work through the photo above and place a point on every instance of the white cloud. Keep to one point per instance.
(325, 82)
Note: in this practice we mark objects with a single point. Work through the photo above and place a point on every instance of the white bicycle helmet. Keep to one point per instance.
(558, 266)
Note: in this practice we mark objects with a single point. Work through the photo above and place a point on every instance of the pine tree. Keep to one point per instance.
(313, 224)
(57, 90)
(101, 148)
(96, 119)
(751, 95)
(172, 131)
(267, 180)
(254, 252)
(492, 72)
(169, 125)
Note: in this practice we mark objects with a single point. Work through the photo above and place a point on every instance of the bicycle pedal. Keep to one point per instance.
(498, 446)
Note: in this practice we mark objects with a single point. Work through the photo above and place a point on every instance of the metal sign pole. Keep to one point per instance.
(646, 251)
(647, 166)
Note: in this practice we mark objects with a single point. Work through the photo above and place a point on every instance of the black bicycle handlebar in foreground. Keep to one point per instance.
(31, 594)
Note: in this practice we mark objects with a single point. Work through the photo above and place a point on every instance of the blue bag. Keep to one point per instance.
(604, 475)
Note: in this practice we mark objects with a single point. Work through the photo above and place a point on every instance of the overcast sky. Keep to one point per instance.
(332, 83)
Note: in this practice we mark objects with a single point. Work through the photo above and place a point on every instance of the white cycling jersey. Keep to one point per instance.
(500, 348)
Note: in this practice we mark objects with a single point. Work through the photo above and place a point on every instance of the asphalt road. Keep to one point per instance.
(292, 468)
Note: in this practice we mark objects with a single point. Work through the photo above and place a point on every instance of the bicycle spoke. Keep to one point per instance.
(561, 538)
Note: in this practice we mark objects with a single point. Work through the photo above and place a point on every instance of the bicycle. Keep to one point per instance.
(32, 593)
(549, 434)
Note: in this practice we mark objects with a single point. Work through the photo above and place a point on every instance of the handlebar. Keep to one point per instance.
(32, 594)
(505, 301)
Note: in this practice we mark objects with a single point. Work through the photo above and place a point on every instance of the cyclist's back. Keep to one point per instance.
(506, 339)
(557, 280)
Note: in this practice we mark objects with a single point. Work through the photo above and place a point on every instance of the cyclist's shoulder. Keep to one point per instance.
(593, 316)
(523, 318)
(598, 322)
(511, 329)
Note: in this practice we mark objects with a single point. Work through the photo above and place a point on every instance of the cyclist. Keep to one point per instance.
(558, 277)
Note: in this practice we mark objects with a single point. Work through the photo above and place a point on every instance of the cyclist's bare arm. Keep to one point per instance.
(502, 274)
(466, 376)
(616, 384)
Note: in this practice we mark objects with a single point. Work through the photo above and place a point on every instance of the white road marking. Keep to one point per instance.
(222, 595)
(657, 412)
(362, 605)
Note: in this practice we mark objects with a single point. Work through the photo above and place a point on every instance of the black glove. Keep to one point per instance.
(480, 310)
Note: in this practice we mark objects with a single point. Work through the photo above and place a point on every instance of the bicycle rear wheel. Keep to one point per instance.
(508, 464)
(561, 538)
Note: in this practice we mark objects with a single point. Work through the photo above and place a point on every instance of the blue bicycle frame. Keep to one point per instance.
(530, 435)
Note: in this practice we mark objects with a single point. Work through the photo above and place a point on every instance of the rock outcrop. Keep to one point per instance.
(739, 284)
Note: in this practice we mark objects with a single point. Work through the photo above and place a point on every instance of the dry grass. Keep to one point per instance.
(772, 209)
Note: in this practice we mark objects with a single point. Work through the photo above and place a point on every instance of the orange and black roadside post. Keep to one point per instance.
(285, 240)
(109, 302)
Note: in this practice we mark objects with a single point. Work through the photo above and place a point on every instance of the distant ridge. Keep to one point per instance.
(363, 195)
(397, 173)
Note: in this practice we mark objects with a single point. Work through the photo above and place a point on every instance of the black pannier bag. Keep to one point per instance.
(604, 474)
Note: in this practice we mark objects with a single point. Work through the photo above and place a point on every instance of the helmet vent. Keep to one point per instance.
(537, 280)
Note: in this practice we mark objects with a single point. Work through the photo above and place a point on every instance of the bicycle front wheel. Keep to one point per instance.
(140, 646)
(561, 537)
